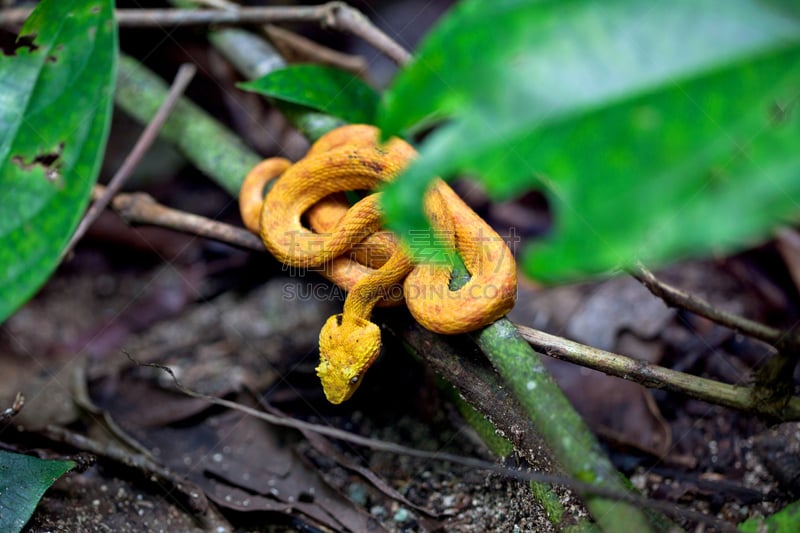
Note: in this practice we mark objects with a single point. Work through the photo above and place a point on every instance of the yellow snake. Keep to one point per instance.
(305, 221)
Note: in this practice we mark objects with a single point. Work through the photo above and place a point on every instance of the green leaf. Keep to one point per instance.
(23, 481)
(787, 520)
(656, 129)
(55, 111)
(326, 89)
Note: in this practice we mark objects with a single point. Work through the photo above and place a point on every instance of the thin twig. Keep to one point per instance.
(772, 393)
(16, 407)
(325, 447)
(653, 376)
(216, 4)
(579, 487)
(160, 17)
(351, 20)
(140, 208)
(295, 47)
(150, 133)
(336, 15)
(675, 297)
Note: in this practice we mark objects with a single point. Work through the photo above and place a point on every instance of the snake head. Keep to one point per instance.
(347, 348)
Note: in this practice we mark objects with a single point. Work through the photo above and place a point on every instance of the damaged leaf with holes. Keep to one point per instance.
(55, 108)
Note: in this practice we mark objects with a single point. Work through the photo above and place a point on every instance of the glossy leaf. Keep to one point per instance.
(326, 89)
(657, 129)
(23, 481)
(55, 111)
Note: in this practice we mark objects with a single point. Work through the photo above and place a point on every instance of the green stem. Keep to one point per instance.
(570, 441)
(567, 436)
(210, 146)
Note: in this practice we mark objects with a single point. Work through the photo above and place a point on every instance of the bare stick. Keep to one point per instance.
(142, 208)
(15, 408)
(675, 297)
(772, 393)
(336, 15)
(653, 376)
(150, 133)
(294, 46)
(351, 20)
(149, 18)
(216, 4)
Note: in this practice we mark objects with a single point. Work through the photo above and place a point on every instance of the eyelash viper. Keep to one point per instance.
(368, 262)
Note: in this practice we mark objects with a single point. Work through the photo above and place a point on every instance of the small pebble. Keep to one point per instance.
(377, 510)
(401, 515)
(357, 493)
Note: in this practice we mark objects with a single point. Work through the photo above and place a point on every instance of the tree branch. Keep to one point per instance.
(141, 208)
(654, 376)
(296, 47)
(774, 381)
(336, 15)
(675, 297)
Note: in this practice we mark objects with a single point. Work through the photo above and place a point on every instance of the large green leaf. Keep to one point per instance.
(326, 89)
(55, 110)
(657, 129)
(23, 481)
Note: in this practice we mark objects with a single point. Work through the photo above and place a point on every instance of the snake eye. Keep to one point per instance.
(353, 380)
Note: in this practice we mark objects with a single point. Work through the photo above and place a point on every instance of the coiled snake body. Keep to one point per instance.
(347, 241)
